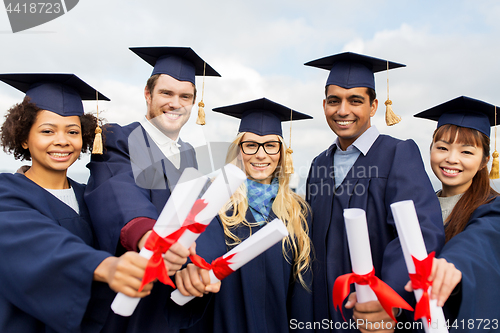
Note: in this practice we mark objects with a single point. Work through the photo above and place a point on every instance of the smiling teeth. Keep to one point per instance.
(260, 165)
(343, 123)
(59, 154)
(450, 170)
(172, 115)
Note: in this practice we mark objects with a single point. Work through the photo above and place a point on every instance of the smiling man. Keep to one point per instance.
(367, 170)
(131, 182)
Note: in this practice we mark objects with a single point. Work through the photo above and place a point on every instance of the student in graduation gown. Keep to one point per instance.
(469, 263)
(367, 170)
(132, 180)
(272, 289)
(48, 265)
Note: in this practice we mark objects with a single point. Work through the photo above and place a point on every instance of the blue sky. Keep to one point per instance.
(450, 48)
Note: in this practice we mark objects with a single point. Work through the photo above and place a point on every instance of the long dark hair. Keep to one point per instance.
(480, 191)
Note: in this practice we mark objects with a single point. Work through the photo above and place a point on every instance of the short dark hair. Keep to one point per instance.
(18, 122)
(151, 84)
(372, 95)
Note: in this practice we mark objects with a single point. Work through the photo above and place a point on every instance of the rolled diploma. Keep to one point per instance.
(412, 244)
(359, 248)
(170, 220)
(219, 192)
(250, 248)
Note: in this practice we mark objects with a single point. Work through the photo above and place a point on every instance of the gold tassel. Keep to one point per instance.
(97, 149)
(201, 111)
(201, 114)
(390, 117)
(289, 151)
(289, 161)
(495, 169)
(97, 141)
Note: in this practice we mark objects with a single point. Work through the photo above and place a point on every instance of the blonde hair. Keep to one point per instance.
(287, 206)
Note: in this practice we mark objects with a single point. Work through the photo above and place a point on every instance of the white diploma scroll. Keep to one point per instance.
(359, 248)
(216, 196)
(170, 220)
(412, 244)
(250, 248)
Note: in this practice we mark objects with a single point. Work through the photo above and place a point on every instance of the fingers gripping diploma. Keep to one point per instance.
(445, 277)
(370, 316)
(195, 281)
(124, 274)
(174, 258)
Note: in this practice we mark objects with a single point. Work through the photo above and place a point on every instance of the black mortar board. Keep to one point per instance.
(261, 116)
(181, 63)
(59, 93)
(351, 70)
(464, 112)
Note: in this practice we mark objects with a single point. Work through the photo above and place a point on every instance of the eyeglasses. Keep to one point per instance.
(252, 147)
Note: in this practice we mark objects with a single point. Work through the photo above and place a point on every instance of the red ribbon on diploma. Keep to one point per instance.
(420, 280)
(387, 297)
(156, 269)
(219, 266)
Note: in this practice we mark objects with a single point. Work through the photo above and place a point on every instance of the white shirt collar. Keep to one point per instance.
(363, 143)
(158, 137)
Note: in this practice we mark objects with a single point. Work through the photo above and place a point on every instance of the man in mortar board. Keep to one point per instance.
(367, 170)
(132, 180)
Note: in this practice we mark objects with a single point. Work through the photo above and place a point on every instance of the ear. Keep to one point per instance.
(374, 107)
(24, 145)
(147, 95)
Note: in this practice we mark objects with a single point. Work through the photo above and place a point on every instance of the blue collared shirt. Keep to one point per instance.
(344, 160)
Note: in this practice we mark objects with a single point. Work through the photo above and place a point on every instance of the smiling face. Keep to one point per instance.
(455, 163)
(260, 166)
(54, 142)
(348, 112)
(169, 105)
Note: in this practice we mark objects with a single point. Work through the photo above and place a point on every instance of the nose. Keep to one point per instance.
(343, 109)
(61, 139)
(260, 153)
(174, 103)
(452, 156)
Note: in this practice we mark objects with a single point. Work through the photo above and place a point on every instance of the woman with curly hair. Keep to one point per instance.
(48, 267)
(272, 289)
(467, 273)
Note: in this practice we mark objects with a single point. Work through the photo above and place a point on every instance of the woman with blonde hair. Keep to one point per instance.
(272, 290)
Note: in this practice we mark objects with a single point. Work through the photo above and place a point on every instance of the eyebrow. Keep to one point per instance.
(349, 97)
(171, 91)
(54, 125)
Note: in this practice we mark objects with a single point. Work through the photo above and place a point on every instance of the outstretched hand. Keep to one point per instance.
(445, 277)
(195, 281)
(370, 316)
(124, 274)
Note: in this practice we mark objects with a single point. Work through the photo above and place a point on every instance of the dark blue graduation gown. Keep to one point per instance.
(132, 179)
(476, 253)
(391, 171)
(47, 261)
(260, 297)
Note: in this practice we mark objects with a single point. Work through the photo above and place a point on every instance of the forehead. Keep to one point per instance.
(45, 116)
(166, 82)
(334, 90)
(249, 136)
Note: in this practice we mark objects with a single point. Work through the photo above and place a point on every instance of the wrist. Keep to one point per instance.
(101, 273)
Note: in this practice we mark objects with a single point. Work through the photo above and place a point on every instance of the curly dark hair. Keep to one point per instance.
(18, 122)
